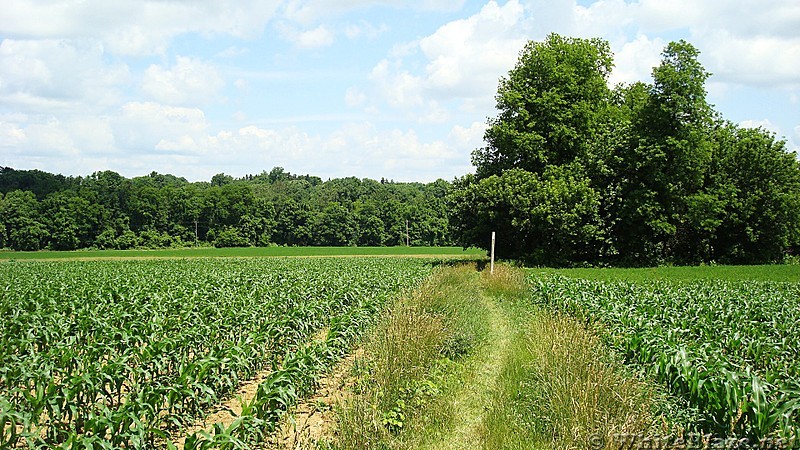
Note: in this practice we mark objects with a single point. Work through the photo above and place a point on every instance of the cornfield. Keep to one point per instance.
(110, 354)
(730, 348)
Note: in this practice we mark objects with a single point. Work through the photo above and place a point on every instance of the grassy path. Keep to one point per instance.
(472, 400)
(467, 362)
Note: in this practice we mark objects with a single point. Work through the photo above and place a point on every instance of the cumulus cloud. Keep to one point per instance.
(398, 87)
(635, 60)
(313, 38)
(133, 27)
(749, 43)
(354, 149)
(467, 56)
(462, 61)
(188, 82)
(354, 97)
(143, 127)
(468, 137)
(311, 11)
(762, 123)
(317, 37)
(73, 100)
(56, 74)
(364, 29)
(757, 60)
(11, 135)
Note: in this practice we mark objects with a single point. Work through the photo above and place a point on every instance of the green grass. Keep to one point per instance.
(467, 361)
(787, 272)
(412, 365)
(559, 387)
(211, 252)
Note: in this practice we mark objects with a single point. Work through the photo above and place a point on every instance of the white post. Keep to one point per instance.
(491, 267)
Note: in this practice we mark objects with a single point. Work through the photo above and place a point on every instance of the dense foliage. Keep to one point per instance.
(126, 354)
(576, 172)
(729, 347)
(39, 210)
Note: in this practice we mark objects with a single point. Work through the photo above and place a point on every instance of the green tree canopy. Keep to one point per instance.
(549, 106)
(574, 172)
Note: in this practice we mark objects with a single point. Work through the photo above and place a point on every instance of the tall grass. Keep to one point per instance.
(561, 387)
(559, 390)
(549, 383)
(408, 359)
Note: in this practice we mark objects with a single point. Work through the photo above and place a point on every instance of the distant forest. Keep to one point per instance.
(40, 210)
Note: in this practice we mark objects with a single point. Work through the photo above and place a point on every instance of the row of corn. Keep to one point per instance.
(112, 354)
(730, 348)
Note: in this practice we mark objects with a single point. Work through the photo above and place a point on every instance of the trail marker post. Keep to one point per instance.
(491, 267)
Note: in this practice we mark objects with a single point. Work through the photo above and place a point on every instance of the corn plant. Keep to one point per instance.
(128, 353)
(730, 348)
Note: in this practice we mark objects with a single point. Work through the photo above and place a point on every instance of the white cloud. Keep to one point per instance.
(55, 74)
(635, 60)
(134, 27)
(753, 60)
(354, 97)
(553, 16)
(763, 123)
(466, 57)
(462, 61)
(364, 29)
(601, 18)
(11, 135)
(233, 52)
(142, 126)
(72, 100)
(188, 82)
(355, 149)
(311, 11)
(399, 154)
(397, 86)
(468, 138)
(748, 43)
(242, 85)
(318, 37)
(741, 18)
(176, 140)
(60, 139)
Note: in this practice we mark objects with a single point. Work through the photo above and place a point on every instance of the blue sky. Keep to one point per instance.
(398, 89)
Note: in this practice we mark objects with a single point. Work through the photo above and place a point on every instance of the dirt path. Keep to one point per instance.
(312, 419)
(472, 400)
(226, 413)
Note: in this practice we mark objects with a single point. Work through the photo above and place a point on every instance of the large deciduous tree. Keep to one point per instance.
(549, 106)
(531, 183)
(663, 166)
(574, 172)
(553, 218)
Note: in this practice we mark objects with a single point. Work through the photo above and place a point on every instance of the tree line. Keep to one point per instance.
(575, 172)
(40, 210)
